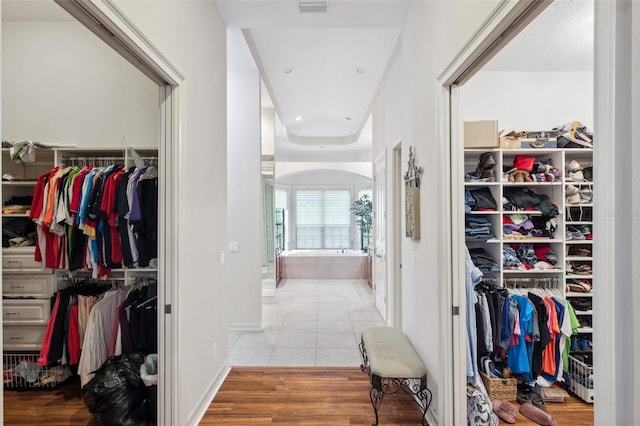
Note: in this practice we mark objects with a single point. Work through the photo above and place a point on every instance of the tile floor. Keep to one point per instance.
(312, 323)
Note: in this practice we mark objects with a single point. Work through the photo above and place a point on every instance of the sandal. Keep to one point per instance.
(582, 269)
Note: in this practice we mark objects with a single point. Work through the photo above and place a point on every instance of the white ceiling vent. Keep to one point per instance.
(312, 6)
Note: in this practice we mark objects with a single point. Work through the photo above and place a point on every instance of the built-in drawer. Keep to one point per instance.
(23, 337)
(25, 311)
(31, 285)
(20, 263)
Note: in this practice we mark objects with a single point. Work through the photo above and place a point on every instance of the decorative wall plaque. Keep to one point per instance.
(412, 198)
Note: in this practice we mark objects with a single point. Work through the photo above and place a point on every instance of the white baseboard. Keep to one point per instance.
(431, 417)
(245, 326)
(201, 408)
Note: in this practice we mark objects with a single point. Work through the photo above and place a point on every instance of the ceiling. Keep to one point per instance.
(311, 62)
(321, 70)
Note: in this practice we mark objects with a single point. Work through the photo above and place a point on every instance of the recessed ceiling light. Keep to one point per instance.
(298, 118)
(347, 118)
(360, 70)
(288, 70)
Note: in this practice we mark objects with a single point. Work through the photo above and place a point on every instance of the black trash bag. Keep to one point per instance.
(116, 395)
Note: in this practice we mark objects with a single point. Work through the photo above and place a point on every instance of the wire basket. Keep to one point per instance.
(581, 379)
(21, 371)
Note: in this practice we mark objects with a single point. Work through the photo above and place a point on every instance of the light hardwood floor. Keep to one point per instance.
(268, 395)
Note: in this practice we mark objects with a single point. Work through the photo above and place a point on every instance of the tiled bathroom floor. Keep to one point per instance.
(312, 323)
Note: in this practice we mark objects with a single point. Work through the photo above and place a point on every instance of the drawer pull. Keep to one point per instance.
(17, 286)
(16, 338)
(12, 313)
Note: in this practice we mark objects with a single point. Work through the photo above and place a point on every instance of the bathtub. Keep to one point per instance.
(327, 264)
(324, 252)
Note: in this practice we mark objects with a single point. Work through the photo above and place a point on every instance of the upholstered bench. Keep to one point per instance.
(393, 365)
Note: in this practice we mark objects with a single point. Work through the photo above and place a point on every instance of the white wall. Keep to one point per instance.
(244, 200)
(529, 100)
(61, 84)
(432, 34)
(268, 122)
(192, 35)
(284, 168)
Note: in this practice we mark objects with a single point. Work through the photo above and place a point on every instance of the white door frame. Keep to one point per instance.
(394, 261)
(108, 22)
(505, 22)
(380, 253)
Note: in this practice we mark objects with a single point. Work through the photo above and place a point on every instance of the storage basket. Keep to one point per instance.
(21, 371)
(500, 388)
(581, 379)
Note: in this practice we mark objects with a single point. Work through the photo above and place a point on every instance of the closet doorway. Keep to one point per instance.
(464, 82)
(105, 21)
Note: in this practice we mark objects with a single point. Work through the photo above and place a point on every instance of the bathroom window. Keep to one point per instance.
(323, 219)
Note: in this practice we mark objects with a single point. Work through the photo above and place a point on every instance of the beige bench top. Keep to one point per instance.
(390, 354)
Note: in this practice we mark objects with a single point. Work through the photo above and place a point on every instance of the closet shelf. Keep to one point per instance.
(589, 312)
(480, 183)
(19, 250)
(531, 240)
(579, 205)
(579, 223)
(532, 183)
(19, 182)
(576, 294)
(585, 330)
(529, 212)
(532, 271)
(480, 212)
(578, 277)
(589, 258)
(15, 215)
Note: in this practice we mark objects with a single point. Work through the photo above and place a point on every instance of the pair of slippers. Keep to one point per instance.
(507, 412)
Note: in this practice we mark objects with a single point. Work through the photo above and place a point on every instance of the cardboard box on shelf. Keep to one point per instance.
(481, 134)
(510, 139)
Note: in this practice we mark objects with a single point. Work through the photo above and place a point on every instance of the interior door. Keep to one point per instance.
(380, 229)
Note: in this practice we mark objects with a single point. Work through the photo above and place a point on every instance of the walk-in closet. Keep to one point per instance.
(80, 217)
(529, 231)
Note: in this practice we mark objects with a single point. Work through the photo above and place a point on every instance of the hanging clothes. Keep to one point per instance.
(96, 218)
(473, 276)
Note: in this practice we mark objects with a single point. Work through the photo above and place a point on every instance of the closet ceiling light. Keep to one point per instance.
(298, 118)
(312, 6)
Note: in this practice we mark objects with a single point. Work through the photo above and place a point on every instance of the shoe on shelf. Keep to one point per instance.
(574, 166)
(573, 233)
(486, 162)
(582, 269)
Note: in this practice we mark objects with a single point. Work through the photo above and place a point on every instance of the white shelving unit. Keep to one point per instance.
(572, 254)
(27, 285)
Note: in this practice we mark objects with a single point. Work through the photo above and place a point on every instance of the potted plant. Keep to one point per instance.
(362, 209)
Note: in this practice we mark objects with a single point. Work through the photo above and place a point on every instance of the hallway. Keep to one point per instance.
(311, 323)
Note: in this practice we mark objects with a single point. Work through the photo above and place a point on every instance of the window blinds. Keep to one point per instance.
(323, 219)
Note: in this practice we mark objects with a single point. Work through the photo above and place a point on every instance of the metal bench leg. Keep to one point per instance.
(376, 394)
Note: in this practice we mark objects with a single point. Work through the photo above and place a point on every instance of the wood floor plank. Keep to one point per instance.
(266, 396)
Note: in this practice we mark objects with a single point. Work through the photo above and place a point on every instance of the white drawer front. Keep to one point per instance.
(25, 311)
(23, 337)
(20, 263)
(40, 285)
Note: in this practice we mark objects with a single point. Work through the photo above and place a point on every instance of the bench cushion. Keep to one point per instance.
(390, 354)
